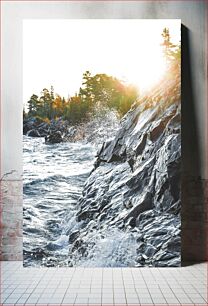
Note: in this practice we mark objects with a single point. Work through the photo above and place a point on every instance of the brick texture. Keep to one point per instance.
(11, 220)
(194, 220)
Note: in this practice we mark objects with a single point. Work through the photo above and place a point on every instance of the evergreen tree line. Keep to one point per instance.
(97, 92)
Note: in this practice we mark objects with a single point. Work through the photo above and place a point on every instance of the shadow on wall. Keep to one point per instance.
(194, 206)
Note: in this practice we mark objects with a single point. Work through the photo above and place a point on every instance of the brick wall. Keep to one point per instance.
(11, 220)
(194, 219)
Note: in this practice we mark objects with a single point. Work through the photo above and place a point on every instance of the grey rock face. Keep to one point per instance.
(54, 132)
(55, 137)
(133, 193)
(33, 133)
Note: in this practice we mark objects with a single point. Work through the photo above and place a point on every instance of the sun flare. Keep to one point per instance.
(148, 74)
(129, 50)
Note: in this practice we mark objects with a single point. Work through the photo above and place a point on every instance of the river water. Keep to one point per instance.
(54, 176)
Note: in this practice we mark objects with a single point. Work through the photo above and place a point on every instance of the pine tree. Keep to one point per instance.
(33, 105)
(171, 52)
(168, 46)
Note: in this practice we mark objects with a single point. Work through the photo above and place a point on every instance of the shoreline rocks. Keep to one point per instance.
(134, 189)
(54, 131)
(97, 129)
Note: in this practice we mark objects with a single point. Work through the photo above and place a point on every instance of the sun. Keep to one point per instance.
(147, 72)
(129, 50)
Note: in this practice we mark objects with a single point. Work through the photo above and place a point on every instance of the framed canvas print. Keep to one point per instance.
(101, 142)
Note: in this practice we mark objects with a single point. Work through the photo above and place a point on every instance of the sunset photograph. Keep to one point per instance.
(101, 142)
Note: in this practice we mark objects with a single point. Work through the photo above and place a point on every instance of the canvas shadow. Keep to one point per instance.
(193, 234)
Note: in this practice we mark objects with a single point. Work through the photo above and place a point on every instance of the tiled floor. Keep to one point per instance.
(118, 286)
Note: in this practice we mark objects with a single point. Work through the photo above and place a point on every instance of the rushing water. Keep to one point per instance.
(53, 179)
(54, 176)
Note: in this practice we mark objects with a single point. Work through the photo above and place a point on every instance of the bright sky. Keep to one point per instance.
(57, 52)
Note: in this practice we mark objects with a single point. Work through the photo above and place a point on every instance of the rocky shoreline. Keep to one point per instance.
(54, 131)
(134, 189)
(96, 130)
(129, 211)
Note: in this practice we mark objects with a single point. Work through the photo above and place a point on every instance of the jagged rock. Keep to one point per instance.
(73, 236)
(55, 137)
(150, 250)
(30, 124)
(54, 131)
(43, 132)
(173, 245)
(134, 190)
(144, 203)
(33, 133)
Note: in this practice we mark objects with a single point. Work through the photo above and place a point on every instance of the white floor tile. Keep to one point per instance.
(119, 286)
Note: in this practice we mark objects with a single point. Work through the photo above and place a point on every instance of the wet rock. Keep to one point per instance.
(134, 190)
(150, 250)
(30, 124)
(171, 262)
(55, 137)
(33, 133)
(54, 131)
(128, 204)
(173, 245)
(43, 131)
(144, 203)
(73, 236)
